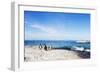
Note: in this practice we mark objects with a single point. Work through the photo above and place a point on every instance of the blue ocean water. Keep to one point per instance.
(57, 43)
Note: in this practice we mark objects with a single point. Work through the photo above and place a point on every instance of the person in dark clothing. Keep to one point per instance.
(45, 47)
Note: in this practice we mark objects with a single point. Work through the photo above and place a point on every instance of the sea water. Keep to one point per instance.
(57, 43)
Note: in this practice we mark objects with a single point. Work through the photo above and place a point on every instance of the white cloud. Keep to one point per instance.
(50, 33)
(45, 28)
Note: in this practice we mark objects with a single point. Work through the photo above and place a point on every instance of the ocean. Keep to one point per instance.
(57, 43)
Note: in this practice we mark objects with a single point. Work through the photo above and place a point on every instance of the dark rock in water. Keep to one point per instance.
(84, 54)
(63, 48)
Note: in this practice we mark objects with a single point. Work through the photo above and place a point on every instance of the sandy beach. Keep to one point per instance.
(33, 53)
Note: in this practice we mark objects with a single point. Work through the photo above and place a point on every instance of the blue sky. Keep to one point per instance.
(56, 26)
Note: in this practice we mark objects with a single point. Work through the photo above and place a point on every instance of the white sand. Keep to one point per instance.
(35, 54)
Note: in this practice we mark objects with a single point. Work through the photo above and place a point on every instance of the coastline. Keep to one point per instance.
(34, 53)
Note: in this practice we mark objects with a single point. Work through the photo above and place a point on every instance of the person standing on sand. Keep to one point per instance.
(40, 46)
(45, 47)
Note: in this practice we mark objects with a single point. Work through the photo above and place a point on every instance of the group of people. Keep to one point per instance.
(45, 47)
